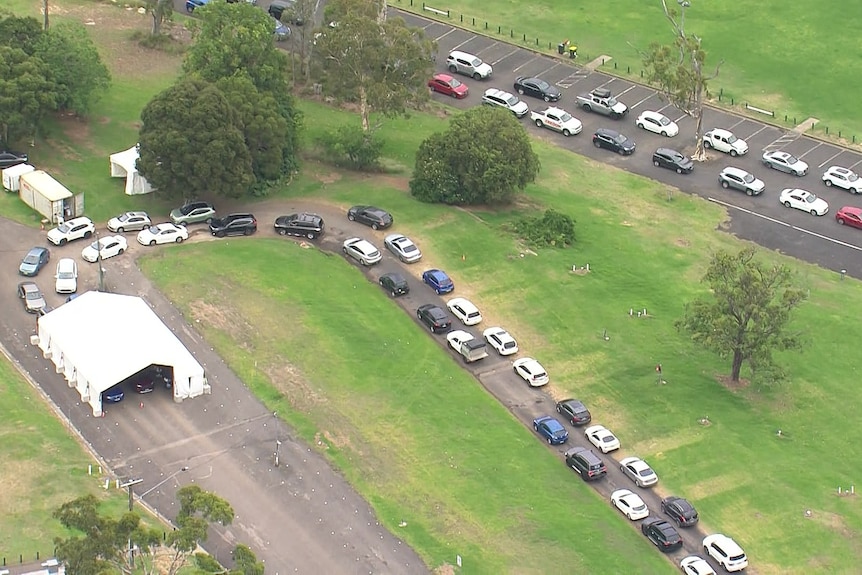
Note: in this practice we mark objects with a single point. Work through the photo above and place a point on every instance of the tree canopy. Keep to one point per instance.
(745, 316)
(678, 71)
(484, 157)
(380, 64)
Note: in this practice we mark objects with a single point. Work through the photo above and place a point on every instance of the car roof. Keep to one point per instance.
(464, 303)
(459, 53)
(840, 170)
(394, 276)
(499, 93)
(608, 132)
(437, 274)
(669, 152)
(720, 132)
(733, 170)
(444, 77)
(557, 111)
(37, 250)
(729, 545)
(65, 262)
(851, 210)
(777, 154)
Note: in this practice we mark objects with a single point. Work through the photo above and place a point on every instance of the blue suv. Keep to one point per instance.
(438, 280)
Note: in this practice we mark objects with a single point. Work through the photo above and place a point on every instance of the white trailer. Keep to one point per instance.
(49, 197)
(12, 175)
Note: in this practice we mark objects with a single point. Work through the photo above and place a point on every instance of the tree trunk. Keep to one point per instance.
(699, 154)
(45, 10)
(157, 20)
(363, 108)
(736, 367)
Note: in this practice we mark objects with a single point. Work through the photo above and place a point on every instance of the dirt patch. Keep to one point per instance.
(682, 242)
(730, 384)
(290, 381)
(444, 569)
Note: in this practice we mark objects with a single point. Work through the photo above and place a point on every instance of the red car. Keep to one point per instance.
(446, 84)
(849, 216)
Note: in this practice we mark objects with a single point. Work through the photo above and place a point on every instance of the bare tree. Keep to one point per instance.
(678, 71)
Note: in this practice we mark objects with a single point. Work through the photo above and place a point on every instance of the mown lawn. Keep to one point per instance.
(791, 57)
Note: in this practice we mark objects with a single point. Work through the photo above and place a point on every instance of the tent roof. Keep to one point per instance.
(127, 158)
(127, 336)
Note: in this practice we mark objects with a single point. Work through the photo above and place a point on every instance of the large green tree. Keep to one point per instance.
(192, 142)
(678, 71)
(745, 316)
(20, 32)
(484, 157)
(382, 65)
(77, 70)
(27, 95)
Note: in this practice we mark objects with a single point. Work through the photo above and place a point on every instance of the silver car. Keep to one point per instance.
(741, 180)
(784, 162)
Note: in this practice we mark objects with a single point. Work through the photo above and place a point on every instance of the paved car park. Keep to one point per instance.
(762, 219)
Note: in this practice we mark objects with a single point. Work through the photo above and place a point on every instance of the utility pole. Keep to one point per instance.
(99, 263)
(130, 484)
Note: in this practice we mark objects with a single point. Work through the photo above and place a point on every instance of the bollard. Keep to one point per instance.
(642, 73)
(720, 93)
(615, 65)
(785, 118)
(731, 101)
(486, 25)
(474, 21)
(628, 69)
(827, 130)
(511, 33)
(525, 38)
(854, 138)
(537, 41)
(499, 30)
(839, 133)
(462, 18)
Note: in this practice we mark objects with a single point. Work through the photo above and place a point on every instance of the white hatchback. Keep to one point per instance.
(105, 248)
(464, 310)
(803, 200)
(657, 123)
(630, 504)
(163, 234)
(362, 251)
(67, 276)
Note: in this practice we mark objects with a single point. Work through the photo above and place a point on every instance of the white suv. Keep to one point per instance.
(725, 550)
(725, 141)
(495, 97)
(468, 65)
(71, 230)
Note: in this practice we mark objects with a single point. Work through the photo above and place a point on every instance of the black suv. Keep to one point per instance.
(586, 463)
(613, 141)
(672, 160)
(305, 225)
(233, 225)
(9, 158)
(575, 411)
(395, 284)
(680, 510)
(279, 7)
(662, 534)
(434, 318)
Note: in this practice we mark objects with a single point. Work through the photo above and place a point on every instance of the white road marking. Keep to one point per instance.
(515, 51)
(663, 108)
(438, 38)
(811, 150)
(632, 87)
(530, 61)
(785, 224)
(757, 132)
(830, 159)
(641, 102)
(681, 118)
(606, 83)
(486, 48)
(470, 39)
(736, 124)
(854, 165)
(548, 70)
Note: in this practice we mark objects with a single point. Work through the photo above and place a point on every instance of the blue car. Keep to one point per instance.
(551, 429)
(438, 280)
(113, 395)
(34, 261)
(192, 4)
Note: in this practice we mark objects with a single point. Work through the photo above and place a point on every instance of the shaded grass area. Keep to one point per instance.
(768, 46)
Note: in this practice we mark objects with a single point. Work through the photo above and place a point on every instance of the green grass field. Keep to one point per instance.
(797, 58)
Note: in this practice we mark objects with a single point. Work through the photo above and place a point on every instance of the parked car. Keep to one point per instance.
(672, 160)
(403, 248)
(574, 411)
(370, 216)
(586, 463)
(285, 10)
(505, 100)
(613, 141)
(464, 310)
(438, 280)
(66, 276)
(531, 371)
(843, 178)
(662, 534)
(113, 395)
(362, 251)
(304, 224)
(31, 297)
(129, 222)
(741, 180)
(163, 234)
(551, 429)
(233, 225)
(725, 551)
(694, 565)
(725, 141)
(469, 65)
(657, 123)
(501, 340)
(448, 86)
(193, 213)
(104, 248)
(638, 471)
(557, 120)
(537, 88)
(145, 383)
(630, 504)
(34, 261)
(395, 284)
(70, 230)
(784, 162)
(434, 318)
(680, 510)
(9, 159)
(803, 200)
(849, 216)
(602, 438)
(192, 4)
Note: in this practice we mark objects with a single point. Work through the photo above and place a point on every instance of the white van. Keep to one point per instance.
(468, 65)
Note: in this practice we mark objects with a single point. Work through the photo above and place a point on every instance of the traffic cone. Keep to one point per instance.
(142, 405)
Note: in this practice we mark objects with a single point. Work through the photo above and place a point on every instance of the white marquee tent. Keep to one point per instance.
(81, 338)
(123, 165)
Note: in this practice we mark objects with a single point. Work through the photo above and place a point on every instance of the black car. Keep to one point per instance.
(537, 88)
(434, 318)
(370, 216)
(9, 159)
(233, 225)
(680, 510)
(575, 411)
(285, 9)
(305, 225)
(395, 284)
(586, 463)
(613, 141)
(672, 160)
(662, 534)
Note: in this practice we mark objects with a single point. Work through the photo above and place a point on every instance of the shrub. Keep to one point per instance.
(552, 229)
(351, 147)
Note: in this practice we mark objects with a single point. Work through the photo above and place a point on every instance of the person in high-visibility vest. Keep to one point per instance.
(573, 51)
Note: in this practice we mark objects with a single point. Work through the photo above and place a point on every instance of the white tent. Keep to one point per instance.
(81, 339)
(124, 165)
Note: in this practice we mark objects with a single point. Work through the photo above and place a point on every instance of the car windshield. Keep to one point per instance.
(852, 177)
(63, 228)
(95, 245)
(65, 275)
(408, 248)
(748, 178)
(187, 209)
(645, 472)
(476, 62)
(151, 229)
(565, 117)
(811, 198)
(33, 294)
(791, 160)
(512, 100)
(731, 139)
(454, 83)
(677, 157)
(664, 120)
(620, 139)
(612, 101)
(31, 259)
(124, 217)
(542, 85)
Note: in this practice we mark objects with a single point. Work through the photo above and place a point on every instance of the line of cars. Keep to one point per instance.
(660, 531)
